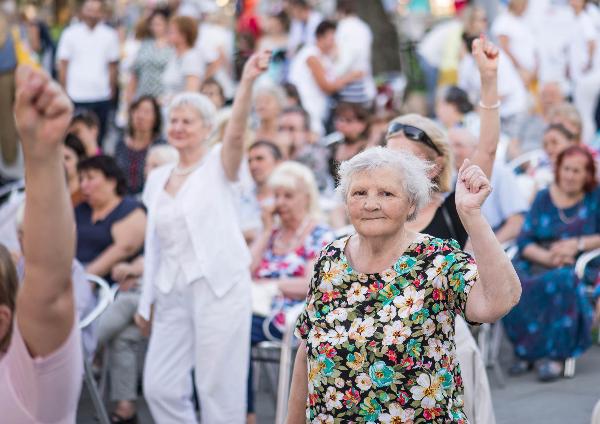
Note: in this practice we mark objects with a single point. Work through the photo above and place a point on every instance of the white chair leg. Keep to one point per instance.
(569, 371)
(90, 383)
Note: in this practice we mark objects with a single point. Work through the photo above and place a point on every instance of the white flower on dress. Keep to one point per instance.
(357, 293)
(395, 333)
(389, 275)
(337, 336)
(409, 302)
(333, 399)
(325, 286)
(316, 336)
(398, 415)
(339, 382)
(434, 349)
(446, 321)
(428, 390)
(332, 273)
(387, 313)
(341, 314)
(361, 330)
(322, 418)
(428, 327)
(363, 381)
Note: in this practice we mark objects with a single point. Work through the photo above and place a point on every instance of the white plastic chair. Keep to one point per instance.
(105, 297)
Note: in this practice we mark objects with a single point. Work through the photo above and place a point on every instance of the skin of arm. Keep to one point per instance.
(113, 72)
(128, 235)
(62, 72)
(511, 228)
(299, 388)
(498, 287)
(292, 287)
(131, 88)
(45, 305)
(192, 83)
(233, 140)
(329, 87)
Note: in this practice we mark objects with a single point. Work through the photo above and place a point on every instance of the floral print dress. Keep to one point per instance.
(380, 346)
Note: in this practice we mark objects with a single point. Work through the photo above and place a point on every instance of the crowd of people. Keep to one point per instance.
(218, 177)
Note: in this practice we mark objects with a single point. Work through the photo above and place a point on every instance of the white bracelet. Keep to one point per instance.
(492, 107)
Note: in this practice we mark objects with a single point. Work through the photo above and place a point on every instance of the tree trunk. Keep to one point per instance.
(385, 50)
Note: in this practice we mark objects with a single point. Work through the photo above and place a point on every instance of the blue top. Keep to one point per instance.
(95, 237)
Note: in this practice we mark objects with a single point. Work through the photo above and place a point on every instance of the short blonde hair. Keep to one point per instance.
(437, 135)
(567, 113)
(293, 175)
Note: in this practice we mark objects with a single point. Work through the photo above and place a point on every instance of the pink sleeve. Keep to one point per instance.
(45, 389)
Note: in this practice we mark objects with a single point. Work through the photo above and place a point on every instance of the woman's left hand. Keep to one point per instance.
(472, 188)
(256, 65)
(486, 55)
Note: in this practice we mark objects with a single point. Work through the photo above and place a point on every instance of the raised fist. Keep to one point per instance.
(42, 111)
(486, 55)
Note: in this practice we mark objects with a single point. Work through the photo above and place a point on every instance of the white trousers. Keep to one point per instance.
(193, 329)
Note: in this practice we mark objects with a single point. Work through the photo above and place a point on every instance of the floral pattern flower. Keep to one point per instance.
(383, 350)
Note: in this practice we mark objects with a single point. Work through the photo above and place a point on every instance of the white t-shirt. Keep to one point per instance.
(578, 53)
(178, 68)
(212, 39)
(313, 99)
(303, 33)
(506, 199)
(521, 38)
(511, 89)
(89, 52)
(354, 40)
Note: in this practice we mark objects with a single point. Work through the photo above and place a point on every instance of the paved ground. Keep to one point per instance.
(522, 401)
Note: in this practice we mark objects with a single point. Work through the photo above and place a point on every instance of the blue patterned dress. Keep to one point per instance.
(554, 317)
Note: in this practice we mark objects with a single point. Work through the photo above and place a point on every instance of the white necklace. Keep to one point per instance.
(178, 170)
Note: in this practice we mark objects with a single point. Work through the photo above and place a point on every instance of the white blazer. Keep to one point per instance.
(209, 207)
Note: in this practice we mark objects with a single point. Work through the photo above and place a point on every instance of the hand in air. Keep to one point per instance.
(472, 188)
(256, 65)
(486, 55)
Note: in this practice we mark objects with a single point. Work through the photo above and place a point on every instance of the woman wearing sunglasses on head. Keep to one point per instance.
(426, 140)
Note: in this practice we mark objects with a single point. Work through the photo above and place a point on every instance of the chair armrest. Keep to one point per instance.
(106, 296)
(511, 249)
(584, 260)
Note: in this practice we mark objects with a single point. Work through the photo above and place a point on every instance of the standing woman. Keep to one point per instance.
(197, 267)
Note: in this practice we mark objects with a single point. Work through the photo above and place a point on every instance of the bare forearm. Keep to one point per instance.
(233, 140)
(511, 228)
(498, 281)
(62, 73)
(113, 75)
(490, 126)
(294, 288)
(299, 389)
(104, 263)
(535, 253)
(258, 248)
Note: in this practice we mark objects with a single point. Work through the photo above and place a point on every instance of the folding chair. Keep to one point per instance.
(105, 297)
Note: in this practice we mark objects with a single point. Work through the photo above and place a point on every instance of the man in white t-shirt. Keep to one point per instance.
(354, 39)
(88, 55)
(215, 46)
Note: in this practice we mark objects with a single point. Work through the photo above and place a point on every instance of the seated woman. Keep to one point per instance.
(553, 320)
(284, 254)
(110, 234)
(377, 333)
(143, 132)
(73, 152)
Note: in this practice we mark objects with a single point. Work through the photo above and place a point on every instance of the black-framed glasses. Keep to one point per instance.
(412, 133)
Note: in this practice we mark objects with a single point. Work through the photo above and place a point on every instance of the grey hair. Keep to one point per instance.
(269, 88)
(199, 102)
(412, 172)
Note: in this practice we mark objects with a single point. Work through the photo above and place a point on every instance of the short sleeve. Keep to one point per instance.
(461, 273)
(113, 48)
(303, 324)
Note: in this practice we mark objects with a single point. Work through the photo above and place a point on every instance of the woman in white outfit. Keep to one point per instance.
(196, 285)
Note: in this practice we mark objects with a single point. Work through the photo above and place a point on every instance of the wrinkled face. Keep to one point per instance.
(266, 106)
(400, 143)
(292, 131)
(261, 163)
(550, 95)
(291, 203)
(554, 143)
(158, 26)
(96, 188)
(143, 117)
(572, 174)
(70, 162)
(349, 125)
(91, 12)
(214, 94)
(186, 128)
(462, 148)
(377, 203)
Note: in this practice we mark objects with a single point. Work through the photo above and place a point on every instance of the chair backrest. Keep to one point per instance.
(105, 297)
(534, 158)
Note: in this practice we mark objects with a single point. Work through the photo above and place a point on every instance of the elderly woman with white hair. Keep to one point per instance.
(196, 266)
(284, 255)
(269, 102)
(378, 329)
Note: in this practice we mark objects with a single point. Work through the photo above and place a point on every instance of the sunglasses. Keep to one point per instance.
(412, 133)
(563, 130)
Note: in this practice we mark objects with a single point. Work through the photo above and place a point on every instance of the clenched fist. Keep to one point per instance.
(42, 112)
